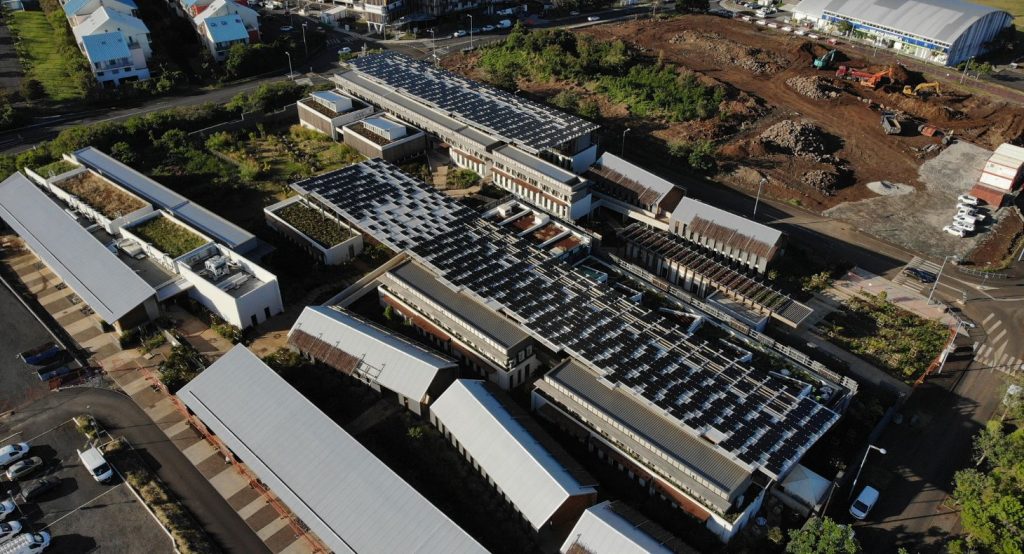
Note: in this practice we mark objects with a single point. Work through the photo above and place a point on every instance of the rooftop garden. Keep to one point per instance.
(55, 168)
(314, 224)
(100, 195)
(167, 236)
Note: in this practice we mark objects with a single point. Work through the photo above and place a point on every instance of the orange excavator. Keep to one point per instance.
(871, 80)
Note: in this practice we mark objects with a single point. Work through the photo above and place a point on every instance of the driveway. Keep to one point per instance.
(120, 416)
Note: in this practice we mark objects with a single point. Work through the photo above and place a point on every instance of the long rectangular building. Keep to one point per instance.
(350, 499)
(705, 390)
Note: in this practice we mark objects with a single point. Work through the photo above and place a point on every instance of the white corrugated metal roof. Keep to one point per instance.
(1011, 151)
(939, 20)
(689, 208)
(108, 286)
(636, 173)
(206, 221)
(404, 367)
(530, 475)
(347, 496)
(602, 531)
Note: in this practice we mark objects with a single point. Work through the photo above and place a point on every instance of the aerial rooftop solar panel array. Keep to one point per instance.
(701, 384)
(521, 121)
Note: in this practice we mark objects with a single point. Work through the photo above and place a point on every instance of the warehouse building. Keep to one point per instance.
(345, 495)
(615, 528)
(383, 360)
(696, 389)
(945, 32)
(529, 149)
(544, 484)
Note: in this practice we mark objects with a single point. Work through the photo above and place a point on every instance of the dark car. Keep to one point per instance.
(920, 274)
(34, 489)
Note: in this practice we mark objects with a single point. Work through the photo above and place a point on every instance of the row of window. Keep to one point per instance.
(532, 196)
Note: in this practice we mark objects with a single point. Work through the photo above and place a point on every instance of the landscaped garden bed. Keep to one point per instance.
(53, 169)
(314, 224)
(167, 236)
(103, 197)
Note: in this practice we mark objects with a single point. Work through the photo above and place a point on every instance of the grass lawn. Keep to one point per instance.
(897, 341)
(42, 57)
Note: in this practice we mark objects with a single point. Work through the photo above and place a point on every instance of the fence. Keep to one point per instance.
(996, 275)
(250, 121)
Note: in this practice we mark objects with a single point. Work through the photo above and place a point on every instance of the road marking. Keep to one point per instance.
(54, 428)
(997, 325)
(1001, 334)
(94, 499)
(988, 318)
(11, 436)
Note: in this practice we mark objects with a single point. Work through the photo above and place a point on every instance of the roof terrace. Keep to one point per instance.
(101, 195)
(225, 273)
(315, 224)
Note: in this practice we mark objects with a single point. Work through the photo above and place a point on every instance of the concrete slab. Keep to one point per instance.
(271, 528)
(228, 482)
(251, 508)
(161, 410)
(262, 517)
(176, 429)
(199, 451)
(298, 546)
(135, 386)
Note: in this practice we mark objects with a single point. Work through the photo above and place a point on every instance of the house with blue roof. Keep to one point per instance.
(224, 23)
(112, 60)
(78, 11)
(107, 20)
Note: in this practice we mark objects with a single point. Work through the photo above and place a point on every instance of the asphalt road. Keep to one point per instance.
(121, 417)
(19, 331)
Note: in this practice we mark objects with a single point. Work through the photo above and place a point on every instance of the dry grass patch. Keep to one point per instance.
(103, 197)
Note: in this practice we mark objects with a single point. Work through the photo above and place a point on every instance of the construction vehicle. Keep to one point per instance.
(890, 124)
(928, 130)
(825, 61)
(932, 88)
(876, 79)
(871, 80)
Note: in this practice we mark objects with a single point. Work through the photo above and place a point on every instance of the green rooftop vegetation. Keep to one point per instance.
(55, 168)
(314, 224)
(167, 236)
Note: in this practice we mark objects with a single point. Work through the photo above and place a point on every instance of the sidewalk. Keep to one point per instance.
(857, 282)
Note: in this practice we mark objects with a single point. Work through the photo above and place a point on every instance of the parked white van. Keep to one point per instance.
(97, 465)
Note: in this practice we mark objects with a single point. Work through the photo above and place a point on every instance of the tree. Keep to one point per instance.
(32, 90)
(822, 536)
(818, 282)
(124, 153)
(844, 27)
(692, 5)
(8, 116)
(991, 498)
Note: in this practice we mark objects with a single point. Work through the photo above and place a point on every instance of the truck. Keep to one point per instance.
(26, 543)
(41, 354)
(890, 124)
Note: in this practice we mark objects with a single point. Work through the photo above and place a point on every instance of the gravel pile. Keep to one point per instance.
(800, 139)
(825, 182)
(723, 50)
(813, 87)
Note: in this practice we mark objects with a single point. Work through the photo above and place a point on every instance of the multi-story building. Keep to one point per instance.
(378, 14)
(112, 60)
(106, 20)
(686, 410)
(79, 10)
(327, 111)
(385, 138)
(225, 23)
(112, 38)
(527, 148)
(747, 242)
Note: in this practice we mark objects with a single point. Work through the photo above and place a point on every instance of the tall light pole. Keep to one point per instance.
(757, 199)
(937, 277)
(304, 45)
(470, 31)
(622, 151)
(433, 46)
(881, 451)
(290, 75)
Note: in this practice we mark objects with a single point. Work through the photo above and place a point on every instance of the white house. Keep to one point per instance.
(225, 23)
(111, 60)
(79, 10)
(105, 20)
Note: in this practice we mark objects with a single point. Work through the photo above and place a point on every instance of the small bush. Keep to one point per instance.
(228, 331)
(153, 342)
(128, 339)
(462, 178)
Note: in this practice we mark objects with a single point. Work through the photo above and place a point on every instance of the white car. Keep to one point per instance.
(864, 502)
(593, 18)
(955, 231)
(787, 28)
(967, 199)
(9, 529)
(7, 507)
(459, 34)
(12, 453)
(487, 28)
(965, 224)
(344, 50)
(970, 213)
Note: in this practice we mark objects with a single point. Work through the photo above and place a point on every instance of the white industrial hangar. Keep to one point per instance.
(945, 32)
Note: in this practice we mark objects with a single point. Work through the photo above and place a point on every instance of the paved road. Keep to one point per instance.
(121, 416)
(19, 332)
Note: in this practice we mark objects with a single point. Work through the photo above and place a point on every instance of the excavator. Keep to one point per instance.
(921, 89)
(825, 61)
(871, 80)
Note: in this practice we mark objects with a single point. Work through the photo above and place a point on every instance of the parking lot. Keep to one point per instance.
(80, 514)
(20, 332)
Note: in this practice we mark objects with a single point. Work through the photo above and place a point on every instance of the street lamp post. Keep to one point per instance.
(304, 45)
(937, 277)
(290, 74)
(622, 151)
(881, 451)
(757, 199)
(470, 31)
(433, 46)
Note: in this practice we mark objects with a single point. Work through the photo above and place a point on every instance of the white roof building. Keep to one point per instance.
(614, 528)
(533, 472)
(742, 239)
(95, 274)
(350, 499)
(370, 353)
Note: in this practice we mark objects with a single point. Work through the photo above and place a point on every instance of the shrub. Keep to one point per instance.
(128, 339)
(699, 154)
(462, 178)
(221, 141)
(32, 90)
(154, 342)
(229, 332)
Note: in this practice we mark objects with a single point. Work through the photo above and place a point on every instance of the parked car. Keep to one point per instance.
(970, 213)
(593, 18)
(965, 224)
(864, 502)
(965, 220)
(344, 50)
(505, 24)
(967, 199)
(12, 453)
(286, 29)
(27, 543)
(7, 507)
(23, 468)
(487, 28)
(955, 231)
(34, 489)
(574, 12)
(459, 34)
(920, 274)
(9, 529)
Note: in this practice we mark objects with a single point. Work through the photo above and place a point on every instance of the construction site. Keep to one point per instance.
(817, 120)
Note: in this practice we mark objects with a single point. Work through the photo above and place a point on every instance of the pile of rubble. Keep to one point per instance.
(723, 50)
(800, 139)
(813, 87)
(823, 181)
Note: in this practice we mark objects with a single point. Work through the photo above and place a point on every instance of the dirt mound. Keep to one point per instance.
(824, 181)
(723, 50)
(800, 138)
(813, 87)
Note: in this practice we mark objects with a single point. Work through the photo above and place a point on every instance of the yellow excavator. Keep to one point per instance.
(922, 89)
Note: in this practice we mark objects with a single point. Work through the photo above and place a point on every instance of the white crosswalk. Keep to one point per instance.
(913, 283)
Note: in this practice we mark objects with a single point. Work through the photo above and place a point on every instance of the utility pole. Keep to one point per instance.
(622, 151)
(470, 31)
(290, 74)
(757, 199)
(853, 487)
(305, 46)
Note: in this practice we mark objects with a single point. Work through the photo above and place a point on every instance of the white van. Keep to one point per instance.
(504, 24)
(97, 465)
